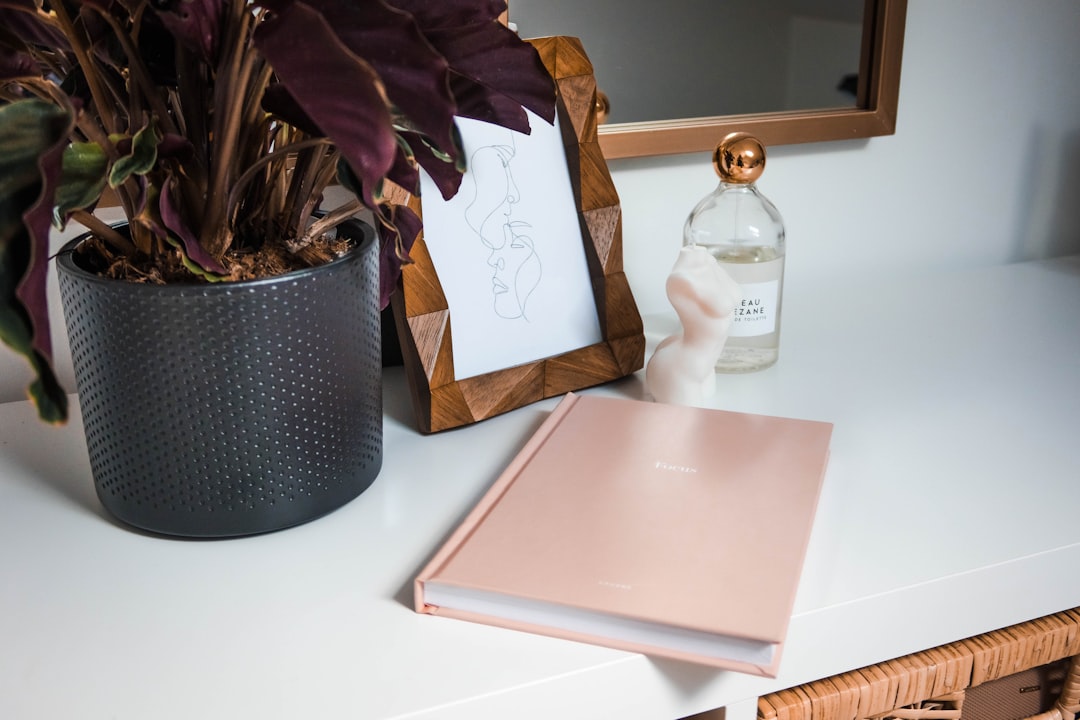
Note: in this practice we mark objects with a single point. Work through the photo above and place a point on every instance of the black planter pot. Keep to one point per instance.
(231, 408)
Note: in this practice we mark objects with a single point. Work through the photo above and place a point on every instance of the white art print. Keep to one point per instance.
(509, 252)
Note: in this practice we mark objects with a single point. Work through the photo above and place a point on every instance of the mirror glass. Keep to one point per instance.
(679, 76)
(692, 58)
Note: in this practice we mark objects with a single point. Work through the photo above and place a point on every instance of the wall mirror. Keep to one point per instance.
(679, 76)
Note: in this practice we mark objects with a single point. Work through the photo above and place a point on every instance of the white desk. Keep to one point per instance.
(951, 507)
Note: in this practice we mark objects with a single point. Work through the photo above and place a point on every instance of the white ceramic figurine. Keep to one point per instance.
(682, 370)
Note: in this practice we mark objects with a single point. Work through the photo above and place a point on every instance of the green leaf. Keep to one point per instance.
(83, 177)
(16, 333)
(31, 147)
(141, 160)
(47, 395)
(26, 135)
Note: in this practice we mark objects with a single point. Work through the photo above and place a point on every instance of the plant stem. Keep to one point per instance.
(237, 66)
(103, 231)
(243, 180)
(326, 171)
(332, 219)
(90, 69)
(141, 78)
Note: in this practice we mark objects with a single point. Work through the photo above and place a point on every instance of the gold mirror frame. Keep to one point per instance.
(874, 113)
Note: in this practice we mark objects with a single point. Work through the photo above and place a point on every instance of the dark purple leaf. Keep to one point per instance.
(108, 54)
(19, 19)
(481, 103)
(451, 13)
(101, 5)
(403, 172)
(483, 52)
(157, 48)
(38, 219)
(195, 23)
(174, 221)
(446, 175)
(339, 91)
(14, 65)
(277, 101)
(175, 146)
(415, 76)
(494, 57)
(398, 231)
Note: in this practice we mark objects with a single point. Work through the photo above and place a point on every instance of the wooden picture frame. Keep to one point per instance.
(423, 318)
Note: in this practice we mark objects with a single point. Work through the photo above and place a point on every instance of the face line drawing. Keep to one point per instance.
(516, 267)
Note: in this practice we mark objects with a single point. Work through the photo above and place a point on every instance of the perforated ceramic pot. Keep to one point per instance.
(231, 408)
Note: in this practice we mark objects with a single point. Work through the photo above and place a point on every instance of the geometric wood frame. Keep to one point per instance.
(423, 318)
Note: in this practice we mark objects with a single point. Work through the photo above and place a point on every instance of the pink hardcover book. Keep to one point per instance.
(669, 530)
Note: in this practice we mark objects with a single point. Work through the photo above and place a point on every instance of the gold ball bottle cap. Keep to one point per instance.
(739, 158)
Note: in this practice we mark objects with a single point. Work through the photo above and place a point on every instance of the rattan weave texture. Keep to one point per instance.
(930, 685)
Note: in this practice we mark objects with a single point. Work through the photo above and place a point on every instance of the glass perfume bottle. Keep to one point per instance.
(745, 233)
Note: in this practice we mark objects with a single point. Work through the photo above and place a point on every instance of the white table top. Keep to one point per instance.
(950, 508)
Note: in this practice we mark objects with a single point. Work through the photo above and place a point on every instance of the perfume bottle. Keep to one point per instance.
(744, 232)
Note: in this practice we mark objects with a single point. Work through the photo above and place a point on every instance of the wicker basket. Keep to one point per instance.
(932, 685)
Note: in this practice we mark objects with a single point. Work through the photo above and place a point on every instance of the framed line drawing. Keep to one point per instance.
(517, 292)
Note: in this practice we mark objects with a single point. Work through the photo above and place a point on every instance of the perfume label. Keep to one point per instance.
(759, 312)
(756, 315)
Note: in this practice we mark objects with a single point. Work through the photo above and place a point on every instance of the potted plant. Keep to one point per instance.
(218, 125)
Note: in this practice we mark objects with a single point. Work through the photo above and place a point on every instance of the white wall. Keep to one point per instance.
(984, 167)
